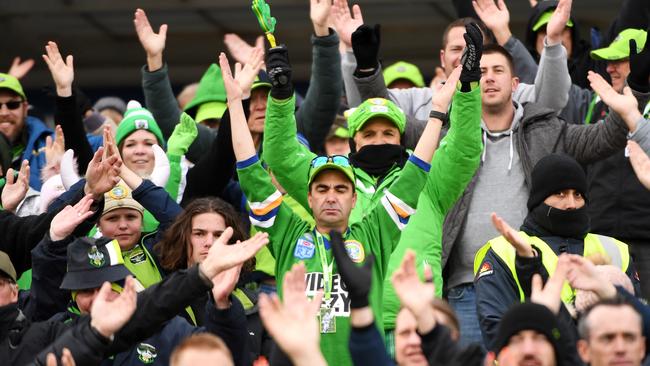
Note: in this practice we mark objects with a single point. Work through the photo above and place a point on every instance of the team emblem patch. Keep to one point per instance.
(485, 270)
(355, 251)
(146, 353)
(305, 248)
(96, 258)
(118, 192)
(141, 124)
(138, 256)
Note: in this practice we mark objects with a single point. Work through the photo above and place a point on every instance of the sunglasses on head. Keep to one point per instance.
(12, 104)
(339, 160)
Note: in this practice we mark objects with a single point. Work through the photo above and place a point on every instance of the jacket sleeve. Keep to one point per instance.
(641, 308)
(318, 111)
(157, 201)
(201, 178)
(348, 65)
(525, 65)
(438, 347)
(287, 158)
(49, 265)
(68, 116)
(589, 143)
(87, 346)
(496, 291)
(231, 326)
(367, 347)
(552, 82)
(526, 268)
(160, 101)
(158, 304)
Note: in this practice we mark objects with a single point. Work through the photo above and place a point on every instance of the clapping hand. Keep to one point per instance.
(16, 188)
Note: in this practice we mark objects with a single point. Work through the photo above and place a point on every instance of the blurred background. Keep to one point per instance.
(108, 56)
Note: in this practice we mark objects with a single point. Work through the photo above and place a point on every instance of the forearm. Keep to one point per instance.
(86, 345)
(69, 117)
(157, 201)
(230, 325)
(367, 346)
(552, 82)
(429, 139)
(348, 65)
(159, 98)
(242, 141)
(525, 65)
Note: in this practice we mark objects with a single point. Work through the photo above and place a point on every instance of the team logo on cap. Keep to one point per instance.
(141, 124)
(118, 192)
(401, 69)
(146, 353)
(2, 79)
(96, 257)
(355, 251)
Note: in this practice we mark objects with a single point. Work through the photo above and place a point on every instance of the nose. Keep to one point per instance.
(414, 339)
(571, 202)
(122, 225)
(611, 67)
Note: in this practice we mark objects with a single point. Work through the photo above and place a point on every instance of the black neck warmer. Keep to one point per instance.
(377, 160)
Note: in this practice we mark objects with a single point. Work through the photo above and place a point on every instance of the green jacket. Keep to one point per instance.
(293, 240)
(452, 167)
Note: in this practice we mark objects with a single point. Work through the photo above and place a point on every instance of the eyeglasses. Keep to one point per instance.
(339, 160)
(12, 104)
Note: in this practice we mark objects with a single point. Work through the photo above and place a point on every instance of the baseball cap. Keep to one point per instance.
(334, 162)
(620, 47)
(372, 108)
(262, 81)
(91, 262)
(210, 110)
(7, 267)
(403, 70)
(544, 19)
(120, 197)
(10, 82)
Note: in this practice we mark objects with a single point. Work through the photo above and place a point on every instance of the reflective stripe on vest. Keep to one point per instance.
(615, 250)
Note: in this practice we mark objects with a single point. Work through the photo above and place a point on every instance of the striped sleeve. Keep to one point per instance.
(263, 198)
(262, 214)
(397, 210)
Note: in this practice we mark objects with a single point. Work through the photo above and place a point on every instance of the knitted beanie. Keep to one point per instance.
(554, 173)
(137, 118)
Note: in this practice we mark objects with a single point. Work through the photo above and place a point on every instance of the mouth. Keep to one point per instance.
(140, 162)
(490, 90)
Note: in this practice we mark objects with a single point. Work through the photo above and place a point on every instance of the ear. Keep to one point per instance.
(442, 59)
(14, 293)
(309, 199)
(515, 83)
(583, 350)
(354, 197)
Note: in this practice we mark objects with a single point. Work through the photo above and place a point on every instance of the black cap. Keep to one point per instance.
(530, 316)
(91, 262)
(553, 173)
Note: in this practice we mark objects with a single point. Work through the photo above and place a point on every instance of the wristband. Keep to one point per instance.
(444, 117)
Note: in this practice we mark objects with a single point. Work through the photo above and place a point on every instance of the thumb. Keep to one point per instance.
(627, 91)
(259, 42)
(162, 31)
(537, 285)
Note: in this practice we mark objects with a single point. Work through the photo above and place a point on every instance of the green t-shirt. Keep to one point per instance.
(293, 240)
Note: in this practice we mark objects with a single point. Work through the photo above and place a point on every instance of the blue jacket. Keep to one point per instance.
(34, 151)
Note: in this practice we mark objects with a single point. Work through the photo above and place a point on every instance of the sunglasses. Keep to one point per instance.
(12, 105)
(339, 160)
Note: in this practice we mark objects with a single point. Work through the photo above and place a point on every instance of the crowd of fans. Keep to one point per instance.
(367, 222)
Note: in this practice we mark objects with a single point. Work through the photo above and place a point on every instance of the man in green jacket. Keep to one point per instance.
(378, 162)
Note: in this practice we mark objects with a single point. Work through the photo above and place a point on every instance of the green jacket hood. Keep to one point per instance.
(211, 89)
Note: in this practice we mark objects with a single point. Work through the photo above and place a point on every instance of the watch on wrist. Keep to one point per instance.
(444, 117)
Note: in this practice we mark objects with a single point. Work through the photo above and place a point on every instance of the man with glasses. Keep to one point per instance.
(26, 134)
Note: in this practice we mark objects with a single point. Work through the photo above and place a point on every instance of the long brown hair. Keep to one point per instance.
(172, 249)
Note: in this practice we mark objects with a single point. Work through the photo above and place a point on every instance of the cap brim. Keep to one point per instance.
(210, 110)
(608, 53)
(261, 84)
(93, 278)
(375, 115)
(331, 166)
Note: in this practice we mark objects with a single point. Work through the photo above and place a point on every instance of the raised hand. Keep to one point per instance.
(20, 68)
(344, 21)
(639, 67)
(640, 163)
(496, 17)
(245, 76)
(153, 43)
(109, 316)
(223, 256)
(279, 70)
(54, 149)
(438, 79)
(16, 188)
(62, 71)
(583, 275)
(365, 44)
(102, 174)
(293, 324)
(414, 294)
(471, 59)
(557, 23)
(224, 284)
(357, 279)
(239, 50)
(624, 104)
(549, 295)
(442, 97)
(523, 248)
(319, 11)
(184, 134)
(67, 220)
(234, 92)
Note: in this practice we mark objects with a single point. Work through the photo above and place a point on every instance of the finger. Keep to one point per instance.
(23, 175)
(104, 291)
(224, 238)
(10, 176)
(259, 43)
(69, 61)
(537, 284)
(356, 12)
(238, 68)
(316, 303)
(48, 142)
(453, 78)
(162, 31)
(428, 273)
(66, 358)
(502, 5)
(51, 360)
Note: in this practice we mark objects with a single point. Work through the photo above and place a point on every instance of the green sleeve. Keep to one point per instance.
(174, 181)
(457, 158)
(267, 212)
(288, 159)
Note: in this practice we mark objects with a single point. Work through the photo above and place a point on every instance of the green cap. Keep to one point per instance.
(545, 17)
(620, 47)
(137, 118)
(10, 82)
(334, 162)
(403, 70)
(372, 108)
(6, 266)
(210, 110)
(211, 89)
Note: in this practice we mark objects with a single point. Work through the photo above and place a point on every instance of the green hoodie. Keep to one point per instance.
(211, 89)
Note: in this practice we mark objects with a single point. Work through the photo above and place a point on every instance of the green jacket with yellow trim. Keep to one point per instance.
(497, 281)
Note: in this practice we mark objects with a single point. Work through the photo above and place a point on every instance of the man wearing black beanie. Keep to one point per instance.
(557, 222)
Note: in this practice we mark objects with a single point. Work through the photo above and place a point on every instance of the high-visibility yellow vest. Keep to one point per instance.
(615, 250)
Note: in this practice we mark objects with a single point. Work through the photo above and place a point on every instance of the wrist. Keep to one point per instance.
(502, 35)
(321, 30)
(64, 91)
(552, 40)
(608, 291)
(361, 317)
(100, 331)
(154, 62)
(223, 304)
(55, 237)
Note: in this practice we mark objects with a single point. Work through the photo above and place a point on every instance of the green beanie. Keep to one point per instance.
(211, 90)
(372, 108)
(137, 118)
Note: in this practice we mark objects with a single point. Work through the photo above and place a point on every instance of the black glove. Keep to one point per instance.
(279, 71)
(365, 44)
(357, 279)
(471, 59)
(639, 68)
